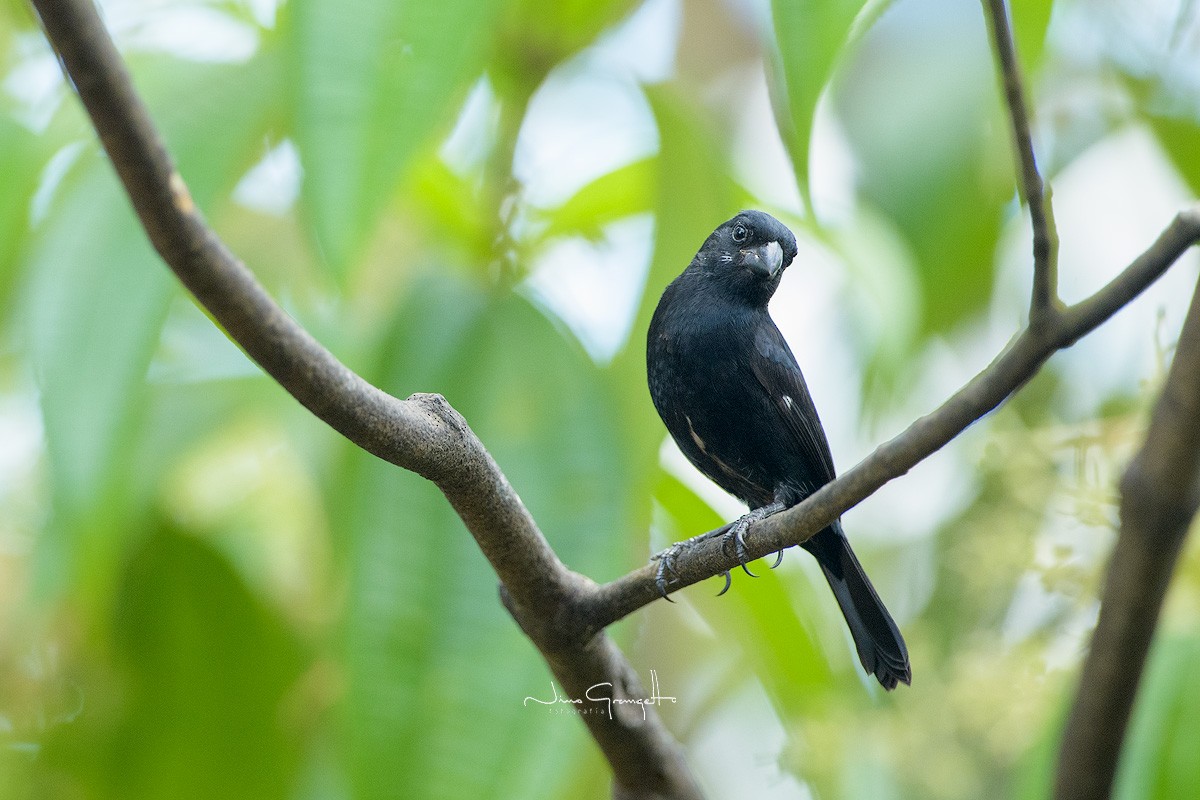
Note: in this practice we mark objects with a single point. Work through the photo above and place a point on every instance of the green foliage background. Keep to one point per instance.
(204, 593)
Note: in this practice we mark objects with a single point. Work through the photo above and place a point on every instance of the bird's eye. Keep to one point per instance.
(739, 234)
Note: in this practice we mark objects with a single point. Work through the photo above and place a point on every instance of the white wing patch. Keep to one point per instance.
(721, 465)
(695, 436)
(787, 401)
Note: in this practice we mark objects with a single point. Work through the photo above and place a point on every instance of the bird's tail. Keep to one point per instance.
(880, 646)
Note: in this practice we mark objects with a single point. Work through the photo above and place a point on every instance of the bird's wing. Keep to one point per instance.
(779, 375)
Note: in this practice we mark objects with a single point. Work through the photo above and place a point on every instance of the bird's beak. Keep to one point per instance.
(766, 259)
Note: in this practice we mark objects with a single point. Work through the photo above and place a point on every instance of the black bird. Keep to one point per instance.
(732, 395)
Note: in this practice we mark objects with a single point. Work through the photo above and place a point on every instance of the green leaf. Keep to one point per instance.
(536, 35)
(920, 109)
(810, 35)
(97, 296)
(372, 83)
(621, 193)
(1030, 20)
(435, 666)
(97, 299)
(1171, 114)
(219, 133)
(450, 212)
(203, 672)
(694, 195)
(15, 16)
(1180, 138)
(20, 157)
(1158, 762)
(1035, 774)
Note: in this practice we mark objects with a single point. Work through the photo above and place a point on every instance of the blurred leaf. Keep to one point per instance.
(1180, 138)
(436, 666)
(884, 304)
(96, 300)
(1030, 19)
(21, 155)
(1036, 775)
(371, 82)
(205, 669)
(15, 15)
(95, 303)
(919, 107)
(536, 35)
(810, 35)
(557, 438)
(618, 194)
(694, 196)
(178, 415)
(220, 131)
(457, 215)
(1171, 115)
(691, 515)
(1159, 760)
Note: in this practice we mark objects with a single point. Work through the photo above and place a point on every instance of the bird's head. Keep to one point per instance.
(746, 256)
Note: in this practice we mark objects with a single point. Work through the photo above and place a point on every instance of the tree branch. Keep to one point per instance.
(1159, 498)
(1044, 302)
(422, 434)
(1007, 373)
(563, 613)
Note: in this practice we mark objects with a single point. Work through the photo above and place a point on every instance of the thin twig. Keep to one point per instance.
(423, 433)
(1044, 302)
(1158, 501)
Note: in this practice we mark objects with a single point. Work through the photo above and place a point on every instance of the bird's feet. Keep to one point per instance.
(737, 534)
(666, 560)
(733, 534)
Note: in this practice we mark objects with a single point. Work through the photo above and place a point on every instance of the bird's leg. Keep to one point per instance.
(733, 532)
(737, 532)
(666, 559)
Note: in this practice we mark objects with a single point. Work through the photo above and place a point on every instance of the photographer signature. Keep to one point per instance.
(603, 693)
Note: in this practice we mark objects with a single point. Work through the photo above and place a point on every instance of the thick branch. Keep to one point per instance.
(1007, 373)
(1158, 501)
(423, 433)
(1044, 302)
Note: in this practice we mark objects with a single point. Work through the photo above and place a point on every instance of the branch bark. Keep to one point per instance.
(423, 434)
(1159, 497)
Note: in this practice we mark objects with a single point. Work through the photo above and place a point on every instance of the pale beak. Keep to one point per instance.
(766, 260)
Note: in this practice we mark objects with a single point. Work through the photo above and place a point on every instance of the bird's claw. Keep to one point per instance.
(734, 533)
(737, 535)
(666, 564)
(666, 561)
